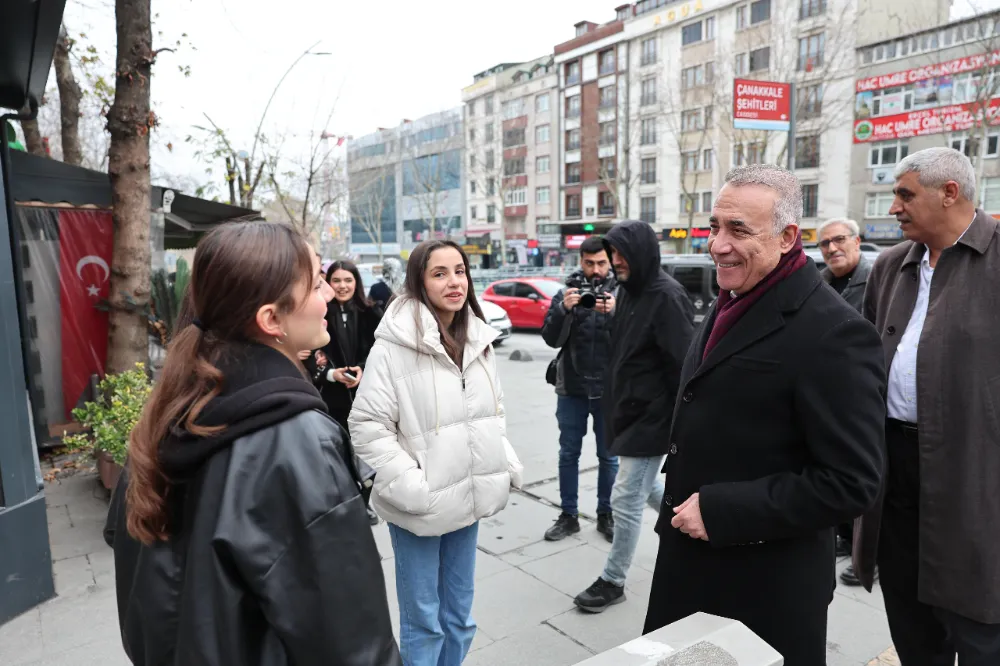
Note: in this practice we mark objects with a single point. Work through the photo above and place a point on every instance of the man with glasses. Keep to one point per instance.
(846, 268)
(847, 272)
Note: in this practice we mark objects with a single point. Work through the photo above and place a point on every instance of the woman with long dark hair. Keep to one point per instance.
(429, 417)
(239, 526)
(351, 320)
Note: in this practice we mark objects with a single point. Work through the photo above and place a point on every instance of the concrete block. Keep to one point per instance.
(521, 355)
(694, 641)
(512, 601)
(536, 645)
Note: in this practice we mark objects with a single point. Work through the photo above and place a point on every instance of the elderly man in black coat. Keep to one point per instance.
(777, 434)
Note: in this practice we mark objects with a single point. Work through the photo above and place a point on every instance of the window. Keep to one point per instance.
(522, 290)
(472, 136)
(692, 76)
(691, 120)
(810, 8)
(489, 104)
(749, 153)
(607, 168)
(760, 11)
(688, 203)
(542, 195)
(542, 103)
(969, 145)
(472, 187)
(491, 186)
(472, 161)
(710, 28)
(877, 204)
(741, 17)
(608, 134)
(572, 205)
(573, 173)
(647, 209)
(807, 152)
(572, 72)
(489, 132)
(709, 72)
(513, 137)
(809, 101)
(608, 97)
(691, 34)
(516, 196)
(573, 106)
(513, 109)
(760, 59)
(811, 52)
(607, 62)
(707, 159)
(689, 161)
(542, 165)
(505, 289)
(991, 195)
(648, 91)
(542, 134)
(740, 67)
(648, 51)
(648, 131)
(648, 174)
(491, 214)
(472, 108)
(490, 159)
(706, 202)
(472, 212)
(810, 200)
(605, 204)
(514, 167)
(887, 153)
(573, 140)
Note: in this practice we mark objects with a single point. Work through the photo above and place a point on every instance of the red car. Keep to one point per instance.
(526, 300)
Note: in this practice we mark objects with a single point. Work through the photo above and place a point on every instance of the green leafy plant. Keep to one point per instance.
(111, 418)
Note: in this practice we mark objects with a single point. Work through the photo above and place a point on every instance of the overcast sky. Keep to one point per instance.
(389, 59)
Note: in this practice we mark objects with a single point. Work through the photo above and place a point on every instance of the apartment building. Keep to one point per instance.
(670, 133)
(927, 88)
(510, 163)
(406, 185)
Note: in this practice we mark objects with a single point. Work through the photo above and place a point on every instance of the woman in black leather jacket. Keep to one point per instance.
(239, 525)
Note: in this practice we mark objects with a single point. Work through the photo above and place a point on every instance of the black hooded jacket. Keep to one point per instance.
(650, 335)
(271, 561)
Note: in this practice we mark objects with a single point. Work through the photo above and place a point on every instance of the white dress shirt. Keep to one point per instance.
(901, 395)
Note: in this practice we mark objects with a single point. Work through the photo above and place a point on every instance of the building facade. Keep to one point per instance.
(510, 163)
(406, 185)
(936, 87)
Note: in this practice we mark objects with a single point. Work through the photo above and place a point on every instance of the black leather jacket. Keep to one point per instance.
(271, 561)
(584, 335)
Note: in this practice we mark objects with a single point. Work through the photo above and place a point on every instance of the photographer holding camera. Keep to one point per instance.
(579, 324)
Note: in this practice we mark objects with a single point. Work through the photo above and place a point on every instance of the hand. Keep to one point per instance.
(304, 354)
(688, 518)
(570, 298)
(605, 306)
(321, 360)
(340, 376)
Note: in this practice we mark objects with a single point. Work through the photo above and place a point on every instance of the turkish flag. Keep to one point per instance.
(86, 243)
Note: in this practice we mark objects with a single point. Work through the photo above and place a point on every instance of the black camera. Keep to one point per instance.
(590, 292)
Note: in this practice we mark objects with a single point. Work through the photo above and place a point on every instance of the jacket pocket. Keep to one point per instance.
(754, 364)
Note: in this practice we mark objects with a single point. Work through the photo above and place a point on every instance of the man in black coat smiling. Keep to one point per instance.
(650, 335)
(777, 435)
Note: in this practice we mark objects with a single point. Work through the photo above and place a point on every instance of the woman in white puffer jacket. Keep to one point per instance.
(429, 418)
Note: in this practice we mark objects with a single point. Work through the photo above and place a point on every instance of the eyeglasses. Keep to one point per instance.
(839, 240)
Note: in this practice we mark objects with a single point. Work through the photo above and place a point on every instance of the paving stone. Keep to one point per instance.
(81, 619)
(21, 639)
(572, 571)
(540, 644)
(512, 601)
(382, 539)
(73, 576)
(488, 565)
(535, 551)
(616, 625)
(586, 496)
(856, 632)
(523, 522)
(76, 541)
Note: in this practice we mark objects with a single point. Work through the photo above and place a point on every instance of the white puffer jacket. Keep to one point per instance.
(435, 435)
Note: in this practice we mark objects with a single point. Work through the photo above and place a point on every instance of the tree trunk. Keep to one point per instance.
(33, 138)
(130, 121)
(69, 101)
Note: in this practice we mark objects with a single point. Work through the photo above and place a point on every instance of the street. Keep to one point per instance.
(525, 585)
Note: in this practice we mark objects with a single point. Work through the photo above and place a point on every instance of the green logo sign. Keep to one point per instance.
(863, 130)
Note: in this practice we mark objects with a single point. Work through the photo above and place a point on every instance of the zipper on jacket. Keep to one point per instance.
(463, 382)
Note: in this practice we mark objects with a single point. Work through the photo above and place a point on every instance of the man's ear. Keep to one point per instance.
(268, 322)
(951, 191)
(788, 236)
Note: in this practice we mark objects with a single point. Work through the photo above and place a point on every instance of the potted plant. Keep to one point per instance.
(110, 419)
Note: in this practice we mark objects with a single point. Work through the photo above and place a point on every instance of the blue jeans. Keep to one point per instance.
(434, 584)
(571, 414)
(638, 484)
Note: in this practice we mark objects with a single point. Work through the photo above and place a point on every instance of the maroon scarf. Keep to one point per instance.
(729, 310)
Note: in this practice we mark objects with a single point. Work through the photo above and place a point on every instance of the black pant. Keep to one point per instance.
(923, 635)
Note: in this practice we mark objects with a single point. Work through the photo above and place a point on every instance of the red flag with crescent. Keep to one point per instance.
(86, 243)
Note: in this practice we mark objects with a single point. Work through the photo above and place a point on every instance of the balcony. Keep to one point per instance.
(572, 79)
(572, 213)
(606, 211)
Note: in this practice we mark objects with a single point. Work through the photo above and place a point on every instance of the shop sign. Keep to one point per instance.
(681, 12)
(949, 68)
(574, 242)
(550, 240)
(954, 118)
(808, 235)
(882, 231)
(475, 249)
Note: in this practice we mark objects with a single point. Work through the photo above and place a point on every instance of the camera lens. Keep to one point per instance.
(588, 300)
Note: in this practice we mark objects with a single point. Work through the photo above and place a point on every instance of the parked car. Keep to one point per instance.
(525, 300)
(498, 319)
(696, 273)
